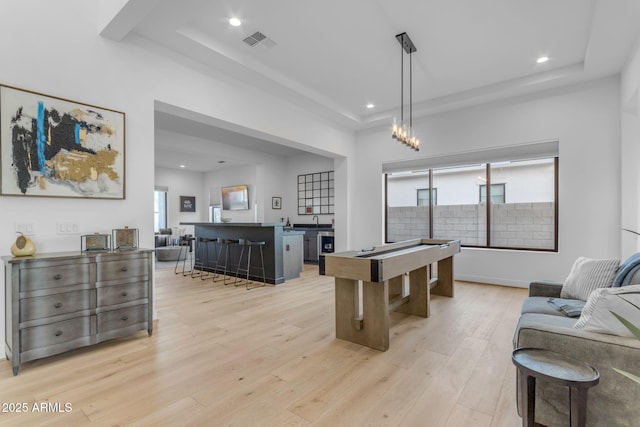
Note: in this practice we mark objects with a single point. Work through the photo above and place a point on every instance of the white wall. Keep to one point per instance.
(630, 158)
(586, 121)
(60, 53)
(183, 183)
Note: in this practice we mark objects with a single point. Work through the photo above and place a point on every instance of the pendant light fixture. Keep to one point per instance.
(400, 130)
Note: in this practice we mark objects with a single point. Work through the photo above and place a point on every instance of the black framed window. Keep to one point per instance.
(457, 207)
(316, 193)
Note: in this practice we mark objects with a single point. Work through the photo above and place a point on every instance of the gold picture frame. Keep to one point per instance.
(54, 147)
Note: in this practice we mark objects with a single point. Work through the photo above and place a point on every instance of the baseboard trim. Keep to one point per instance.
(492, 280)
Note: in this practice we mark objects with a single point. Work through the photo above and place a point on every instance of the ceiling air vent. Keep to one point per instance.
(255, 38)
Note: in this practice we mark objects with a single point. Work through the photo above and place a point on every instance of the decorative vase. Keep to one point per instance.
(23, 246)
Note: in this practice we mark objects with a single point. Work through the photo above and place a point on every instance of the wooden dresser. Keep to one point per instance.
(57, 302)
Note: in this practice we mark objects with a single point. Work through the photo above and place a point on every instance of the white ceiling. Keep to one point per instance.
(335, 56)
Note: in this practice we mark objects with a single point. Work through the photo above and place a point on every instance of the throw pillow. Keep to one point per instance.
(586, 275)
(626, 271)
(597, 317)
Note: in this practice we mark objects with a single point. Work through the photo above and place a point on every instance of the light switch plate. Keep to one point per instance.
(26, 228)
(67, 227)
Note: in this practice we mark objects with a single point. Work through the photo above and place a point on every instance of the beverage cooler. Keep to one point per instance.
(325, 242)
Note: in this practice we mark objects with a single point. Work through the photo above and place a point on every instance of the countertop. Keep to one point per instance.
(310, 227)
(236, 224)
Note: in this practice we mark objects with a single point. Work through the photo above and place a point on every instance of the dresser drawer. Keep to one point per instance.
(118, 294)
(122, 318)
(55, 333)
(125, 268)
(53, 305)
(53, 277)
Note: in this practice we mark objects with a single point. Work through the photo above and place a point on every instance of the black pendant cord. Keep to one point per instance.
(410, 96)
(401, 85)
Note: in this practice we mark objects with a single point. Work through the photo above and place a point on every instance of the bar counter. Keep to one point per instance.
(271, 233)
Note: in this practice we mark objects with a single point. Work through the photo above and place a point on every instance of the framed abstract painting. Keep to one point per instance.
(53, 147)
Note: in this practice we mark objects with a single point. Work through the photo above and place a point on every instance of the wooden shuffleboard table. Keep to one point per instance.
(392, 277)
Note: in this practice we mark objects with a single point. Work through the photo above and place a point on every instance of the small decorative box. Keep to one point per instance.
(95, 242)
(125, 238)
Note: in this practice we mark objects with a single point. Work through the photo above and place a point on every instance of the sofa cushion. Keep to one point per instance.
(597, 314)
(546, 322)
(540, 305)
(587, 275)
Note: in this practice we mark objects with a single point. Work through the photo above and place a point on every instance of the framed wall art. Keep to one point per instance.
(187, 204)
(53, 147)
(276, 202)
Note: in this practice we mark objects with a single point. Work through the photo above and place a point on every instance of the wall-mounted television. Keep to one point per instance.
(235, 198)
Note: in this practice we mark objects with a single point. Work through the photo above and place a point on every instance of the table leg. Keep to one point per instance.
(419, 294)
(527, 398)
(578, 406)
(444, 286)
(374, 330)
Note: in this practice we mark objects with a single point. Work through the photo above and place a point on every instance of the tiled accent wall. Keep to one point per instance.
(513, 225)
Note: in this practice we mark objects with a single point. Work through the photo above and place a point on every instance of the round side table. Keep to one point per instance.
(533, 363)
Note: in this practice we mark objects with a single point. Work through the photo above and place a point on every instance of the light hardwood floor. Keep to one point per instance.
(223, 356)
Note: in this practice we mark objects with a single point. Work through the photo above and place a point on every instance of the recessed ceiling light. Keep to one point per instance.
(182, 166)
(542, 59)
(235, 22)
(370, 106)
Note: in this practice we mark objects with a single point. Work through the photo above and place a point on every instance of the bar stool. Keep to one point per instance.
(185, 242)
(211, 262)
(202, 257)
(244, 243)
(223, 247)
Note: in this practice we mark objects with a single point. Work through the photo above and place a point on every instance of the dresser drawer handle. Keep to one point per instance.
(124, 268)
(58, 276)
(58, 305)
(124, 294)
(125, 318)
(59, 333)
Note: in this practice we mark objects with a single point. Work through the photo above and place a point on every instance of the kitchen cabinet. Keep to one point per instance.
(292, 257)
(311, 246)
